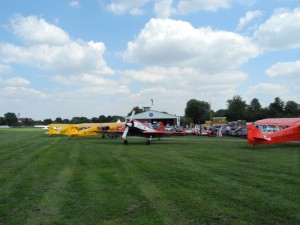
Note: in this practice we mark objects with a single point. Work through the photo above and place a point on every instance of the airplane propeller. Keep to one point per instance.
(128, 125)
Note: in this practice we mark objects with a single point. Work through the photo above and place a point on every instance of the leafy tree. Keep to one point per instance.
(276, 108)
(197, 110)
(185, 120)
(77, 120)
(254, 110)
(28, 122)
(2, 121)
(221, 113)
(11, 119)
(66, 121)
(94, 120)
(236, 108)
(102, 119)
(109, 119)
(137, 111)
(116, 118)
(58, 120)
(292, 109)
(47, 121)
(38, 122)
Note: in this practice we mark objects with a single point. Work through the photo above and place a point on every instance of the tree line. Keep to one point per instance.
(11, 119)
(196, 111)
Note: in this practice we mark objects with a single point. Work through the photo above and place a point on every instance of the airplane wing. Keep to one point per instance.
(278, 121)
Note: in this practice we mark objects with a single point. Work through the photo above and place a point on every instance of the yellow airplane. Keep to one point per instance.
(58, 129)
(92, 129)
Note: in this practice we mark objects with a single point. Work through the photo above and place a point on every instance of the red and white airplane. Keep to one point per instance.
(136, 128)
(290, 131)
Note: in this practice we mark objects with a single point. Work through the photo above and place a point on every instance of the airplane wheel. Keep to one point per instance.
(125, 142)
(148, 142)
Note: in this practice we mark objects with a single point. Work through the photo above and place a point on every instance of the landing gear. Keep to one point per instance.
(125, 142)
(149, 140)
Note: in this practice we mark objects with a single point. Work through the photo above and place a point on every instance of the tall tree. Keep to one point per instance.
(66, 121)
(137, 110)
(11, 119)
(254, 110)
(77, 120)
(185, 120)
(197, 110)
(28, 122)
(276, 108)
(221, 113)
(102, 119)
(236, 108)
(58, 120)
(292, 109)
(47, 121)
(94, 120)
(2, 121)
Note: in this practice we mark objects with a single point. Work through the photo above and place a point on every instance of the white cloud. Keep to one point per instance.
(15, 81)
(34, 30)
(178, 85)
(22, 92)
(286, 72)
(248, 18)
(5, 69)
(186, 62)
(87, 80)
(50, 49)
(281, 31)
(165, 42)
(123, 6)
(266, 92)
(74, 3)
(184, 77)
(188, 6)
(266, 89)
(163, 8)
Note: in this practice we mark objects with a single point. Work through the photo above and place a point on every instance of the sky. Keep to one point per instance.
(67, 58)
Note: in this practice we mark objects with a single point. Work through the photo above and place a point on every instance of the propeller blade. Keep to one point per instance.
(130, 124)
(132, 114)
(125, 133)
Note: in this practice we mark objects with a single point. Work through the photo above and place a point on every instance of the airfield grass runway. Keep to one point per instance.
(179, 180)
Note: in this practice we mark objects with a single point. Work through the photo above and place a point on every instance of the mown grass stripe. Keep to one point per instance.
(49, 209)
(185, 180)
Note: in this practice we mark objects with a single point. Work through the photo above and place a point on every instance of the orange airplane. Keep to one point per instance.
(288, 130)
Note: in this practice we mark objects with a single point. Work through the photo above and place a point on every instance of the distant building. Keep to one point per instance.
(156, 116)
(219, 120)
(216, 121)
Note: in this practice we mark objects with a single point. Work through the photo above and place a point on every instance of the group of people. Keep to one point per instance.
(216, 131)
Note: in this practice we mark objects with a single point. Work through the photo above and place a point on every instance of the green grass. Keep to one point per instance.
(180, 180)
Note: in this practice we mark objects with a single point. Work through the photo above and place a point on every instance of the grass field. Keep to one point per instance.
(182, 180)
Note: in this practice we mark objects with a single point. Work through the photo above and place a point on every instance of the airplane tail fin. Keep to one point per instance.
(254, 134)
(161, 127)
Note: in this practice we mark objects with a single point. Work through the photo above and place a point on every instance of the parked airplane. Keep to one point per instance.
(290, 131)
(136, 128)
(91, 129)
(58, 129)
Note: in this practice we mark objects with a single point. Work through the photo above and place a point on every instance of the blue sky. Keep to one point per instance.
(66, 58)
